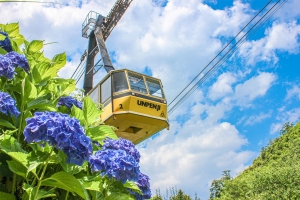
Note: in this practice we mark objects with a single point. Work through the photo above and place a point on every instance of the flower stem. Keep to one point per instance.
(13, 184)
(22, 111)
(20, 124)
(66, 198)
(42, 176)
(4, 84)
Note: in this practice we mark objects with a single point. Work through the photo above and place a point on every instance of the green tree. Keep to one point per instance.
(218, 185)
(181, 196)
(274, 174)
(173, 194)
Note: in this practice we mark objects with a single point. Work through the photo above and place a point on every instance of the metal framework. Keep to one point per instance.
(97, 28)
(114, 16)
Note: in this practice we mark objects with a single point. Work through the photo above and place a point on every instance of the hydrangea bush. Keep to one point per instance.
(53, 145)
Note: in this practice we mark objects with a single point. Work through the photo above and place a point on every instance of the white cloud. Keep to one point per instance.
(222, 86)
(196, 152)
(251, 120)
(255, 87)
(291, 116)
(275, 128)
(281, 37)
(289, 11)
(294, 92)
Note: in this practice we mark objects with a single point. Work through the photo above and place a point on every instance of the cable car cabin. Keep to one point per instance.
(133, 102)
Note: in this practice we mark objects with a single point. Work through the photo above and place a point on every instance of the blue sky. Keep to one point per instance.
(231, 116)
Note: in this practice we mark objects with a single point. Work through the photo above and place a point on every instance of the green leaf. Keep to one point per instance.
(28, 189)
(32, 166)
(41, 71)
(10, 144)
(40, 100)
(71, 168)
(41, 103)
(67, 85)
(11, 27)
(20, 157)
(14, 33)
(90, 110)
(30, 91)
(78, 113)
(7, 196)
(55, 158)
(2, 37)
(99, 133)
(64, 181)
(6, 124)
(2, 51)
(44, 193)
(119, 196)
(132, 185)
(41, 193)
(15, 46)
(16, 168)
(59, 60)
(19, 39)
(35, 46)
(93, 185)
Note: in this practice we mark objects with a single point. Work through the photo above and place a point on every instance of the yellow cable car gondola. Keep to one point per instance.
(133, 102)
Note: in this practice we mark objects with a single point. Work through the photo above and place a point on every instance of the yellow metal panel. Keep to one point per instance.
(107, 111)
(140, 105)
(147, 126)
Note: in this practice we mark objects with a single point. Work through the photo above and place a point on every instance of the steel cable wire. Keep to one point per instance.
(229, 53)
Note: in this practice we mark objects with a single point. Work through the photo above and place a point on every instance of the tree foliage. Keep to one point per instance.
(173, 194)
(274, 174)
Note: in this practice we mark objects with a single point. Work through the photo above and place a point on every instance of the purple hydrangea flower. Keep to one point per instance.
(69, 102)
(60, 131)
(123, 144)
(5, 44)
(144, 185)
(8, 105)
(7, 69)
(18, 60)
(115, 163)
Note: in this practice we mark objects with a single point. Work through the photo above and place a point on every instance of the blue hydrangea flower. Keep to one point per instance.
(5, 44)
(144, 185)
(8, 105)
(18, 60)
(123, 144)
(60, 131)
(69, 102)
(115, 163)
(7, 69)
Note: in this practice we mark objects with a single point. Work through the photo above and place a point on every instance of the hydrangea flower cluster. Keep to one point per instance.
(144, 185)
(18, 60)
(8, 105)
(60, 131)
(5, 44)
(10, 61)
(115, 163)
(7, 69)
(117, 159)
(69, 102)
(123, 144)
